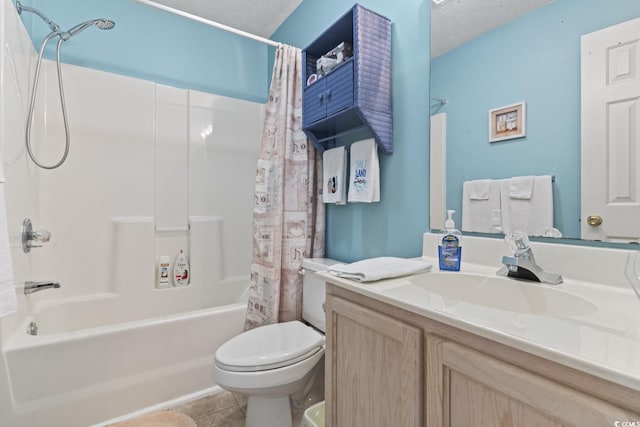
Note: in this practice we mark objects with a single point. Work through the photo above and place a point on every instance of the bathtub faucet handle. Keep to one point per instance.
(42, 236)
(29, 236)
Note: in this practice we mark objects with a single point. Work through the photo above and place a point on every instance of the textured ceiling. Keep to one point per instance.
(454, 22)
(260, 17)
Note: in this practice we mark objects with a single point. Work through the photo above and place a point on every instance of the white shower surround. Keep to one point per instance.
(152, 169)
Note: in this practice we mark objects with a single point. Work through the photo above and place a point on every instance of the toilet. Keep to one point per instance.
(275, 364)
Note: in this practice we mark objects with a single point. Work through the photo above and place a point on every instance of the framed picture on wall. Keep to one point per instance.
(507, 122)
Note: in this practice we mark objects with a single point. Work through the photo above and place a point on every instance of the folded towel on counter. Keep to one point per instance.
(334, 174)
(369, 270)
(364, 178)
(521, 187)
(533, 215)
(8, 302)
(481, 215)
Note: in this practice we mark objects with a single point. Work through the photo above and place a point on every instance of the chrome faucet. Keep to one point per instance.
(31, 287)
(523, 264)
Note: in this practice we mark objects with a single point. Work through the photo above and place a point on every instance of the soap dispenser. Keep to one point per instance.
(450, 248)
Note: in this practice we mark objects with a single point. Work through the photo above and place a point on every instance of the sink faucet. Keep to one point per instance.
(31, 287)
(522, 265)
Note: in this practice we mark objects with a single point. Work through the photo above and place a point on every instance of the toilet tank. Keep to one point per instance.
(313, 290)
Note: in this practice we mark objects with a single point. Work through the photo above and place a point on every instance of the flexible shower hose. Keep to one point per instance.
(62, 103)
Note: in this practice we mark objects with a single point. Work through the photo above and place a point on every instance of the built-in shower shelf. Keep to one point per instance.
(170, 228)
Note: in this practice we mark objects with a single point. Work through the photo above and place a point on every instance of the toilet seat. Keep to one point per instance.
(269, 347)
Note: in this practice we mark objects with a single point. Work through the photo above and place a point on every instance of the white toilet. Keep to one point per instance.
(276, 363)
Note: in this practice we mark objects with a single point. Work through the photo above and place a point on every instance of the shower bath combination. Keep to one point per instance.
(63, 36)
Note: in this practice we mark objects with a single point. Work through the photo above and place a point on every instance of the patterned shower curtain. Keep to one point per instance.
(288, 213)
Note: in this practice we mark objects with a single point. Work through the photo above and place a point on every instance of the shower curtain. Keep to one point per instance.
(288, 219)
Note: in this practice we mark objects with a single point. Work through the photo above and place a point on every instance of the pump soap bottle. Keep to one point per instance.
(450, 248)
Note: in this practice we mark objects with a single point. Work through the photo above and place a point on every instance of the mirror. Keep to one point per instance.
(513, 51)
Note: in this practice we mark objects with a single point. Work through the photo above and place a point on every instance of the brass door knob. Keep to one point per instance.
(594, 220)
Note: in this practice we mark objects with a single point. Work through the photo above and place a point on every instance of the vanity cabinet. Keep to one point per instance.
(466, 387)
(376, 363)
(390, 367)
(356, 94)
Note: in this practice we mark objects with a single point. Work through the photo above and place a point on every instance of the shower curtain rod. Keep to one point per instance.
(209, 22)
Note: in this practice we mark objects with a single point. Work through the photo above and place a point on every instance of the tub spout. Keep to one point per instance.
(31, 287)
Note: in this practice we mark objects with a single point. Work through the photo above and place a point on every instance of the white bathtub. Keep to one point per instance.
(92, 361)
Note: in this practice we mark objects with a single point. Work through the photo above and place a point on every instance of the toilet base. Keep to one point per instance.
(268, 411)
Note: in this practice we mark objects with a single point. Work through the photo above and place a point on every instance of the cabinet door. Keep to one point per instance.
(374, 373)
(339, 91)
(314, 105)
(465, 387)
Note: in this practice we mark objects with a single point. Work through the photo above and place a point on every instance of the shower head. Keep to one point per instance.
(103, 24)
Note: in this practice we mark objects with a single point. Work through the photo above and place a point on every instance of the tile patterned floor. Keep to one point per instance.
(217, 410)
(221, 409)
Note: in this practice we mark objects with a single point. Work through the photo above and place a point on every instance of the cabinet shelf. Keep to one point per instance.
(357, 93)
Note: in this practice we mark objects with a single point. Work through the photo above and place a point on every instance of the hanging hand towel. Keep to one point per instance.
(481, 206)
(531, 216)
(479, 189)
(334, 173)
(372, 269)
(7, 291)
(521, 187)
(364, 178)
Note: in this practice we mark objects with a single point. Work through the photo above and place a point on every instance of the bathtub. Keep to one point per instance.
(100, 357)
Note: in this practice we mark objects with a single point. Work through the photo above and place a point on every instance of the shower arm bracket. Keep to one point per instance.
(52, 25)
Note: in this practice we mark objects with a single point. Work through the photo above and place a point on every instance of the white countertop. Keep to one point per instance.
(590, 327)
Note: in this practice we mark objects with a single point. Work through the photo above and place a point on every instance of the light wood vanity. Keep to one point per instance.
(389, 367)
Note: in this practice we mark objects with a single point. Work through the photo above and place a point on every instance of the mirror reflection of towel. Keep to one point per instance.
(481, 206)
(531, 215)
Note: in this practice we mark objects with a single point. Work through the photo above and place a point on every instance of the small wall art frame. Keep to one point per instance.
(507, 122)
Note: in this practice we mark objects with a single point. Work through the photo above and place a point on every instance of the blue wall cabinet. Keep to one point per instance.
(356, 94)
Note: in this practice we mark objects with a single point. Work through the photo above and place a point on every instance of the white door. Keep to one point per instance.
(438, 171)
(611, 133)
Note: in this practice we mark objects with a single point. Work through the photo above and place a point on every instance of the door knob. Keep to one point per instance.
(594, 220)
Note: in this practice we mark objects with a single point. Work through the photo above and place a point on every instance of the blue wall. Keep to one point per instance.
(534, 59)
(395, 225)
(151, 44)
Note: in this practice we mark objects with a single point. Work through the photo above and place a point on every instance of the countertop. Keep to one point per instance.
(591, 327)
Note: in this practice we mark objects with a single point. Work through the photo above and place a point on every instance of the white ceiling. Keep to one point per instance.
(453, 22)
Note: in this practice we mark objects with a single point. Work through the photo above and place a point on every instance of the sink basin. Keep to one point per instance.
(493, 292)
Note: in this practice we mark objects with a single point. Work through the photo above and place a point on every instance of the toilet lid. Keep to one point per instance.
(269, 347)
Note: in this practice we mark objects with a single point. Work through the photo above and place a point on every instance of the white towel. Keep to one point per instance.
(531, 216)
(334, 174)
(7, 290)
(364, 178)
(481, 215)
(521, 187)
(372, 269)
(479, 189)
